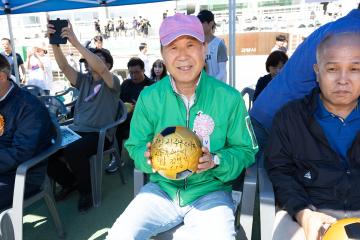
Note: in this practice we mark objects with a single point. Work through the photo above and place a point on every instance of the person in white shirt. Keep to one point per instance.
(39, 67)
(216, 56)
(280, 44)
(143, 56)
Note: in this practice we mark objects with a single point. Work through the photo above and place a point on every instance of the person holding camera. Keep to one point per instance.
(70, 167)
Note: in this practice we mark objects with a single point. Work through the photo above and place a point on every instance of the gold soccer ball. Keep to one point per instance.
(343, 229)
(175, 152)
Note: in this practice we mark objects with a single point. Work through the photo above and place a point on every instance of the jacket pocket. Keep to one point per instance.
(315, 172)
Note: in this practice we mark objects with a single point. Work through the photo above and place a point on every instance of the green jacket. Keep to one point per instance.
(232, 140)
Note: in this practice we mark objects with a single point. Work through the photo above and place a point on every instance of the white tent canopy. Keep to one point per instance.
(26, 6)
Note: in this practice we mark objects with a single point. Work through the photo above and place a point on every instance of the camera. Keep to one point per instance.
(58, 24)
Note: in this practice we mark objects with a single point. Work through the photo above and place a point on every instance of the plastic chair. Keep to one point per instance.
(243, 196)
(266, 192)
(11, 220)
(35, 90)
(96, 161)
(267, 205)
(55, 106)
(69, 96)
(250, 92)
(244, 199)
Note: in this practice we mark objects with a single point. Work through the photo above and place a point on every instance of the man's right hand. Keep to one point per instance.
(65, 32)
(49, 29)
(130, 107)
(312, 222)
(147, 154)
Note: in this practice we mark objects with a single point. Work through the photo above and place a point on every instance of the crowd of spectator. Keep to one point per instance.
(137, 26)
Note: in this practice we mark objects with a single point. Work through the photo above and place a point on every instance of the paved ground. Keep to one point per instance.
(95, 223)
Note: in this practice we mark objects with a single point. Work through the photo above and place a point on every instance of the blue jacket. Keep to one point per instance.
(297, 77)
(28, 130)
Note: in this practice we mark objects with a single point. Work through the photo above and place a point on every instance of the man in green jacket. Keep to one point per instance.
(216, 112)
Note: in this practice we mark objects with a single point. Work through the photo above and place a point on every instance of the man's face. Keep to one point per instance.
(184, 59)
(39, 51)
(207, 27)
(98, 44)
(274, 70)
(280, 43)
(136, 73)
(6, 46)
(4, 83)
(3, 77)
(338, 73)
(88, 67)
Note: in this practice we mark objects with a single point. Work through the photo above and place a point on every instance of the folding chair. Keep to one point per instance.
(55, 106)
(244, 199)
(266, 192)
(68, 97)
(250, 92)
(267, 202)
(11, 220)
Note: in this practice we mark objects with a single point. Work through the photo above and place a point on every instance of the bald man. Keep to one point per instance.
(314, 147)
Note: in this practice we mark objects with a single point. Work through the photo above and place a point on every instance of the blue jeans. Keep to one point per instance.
(152, 212)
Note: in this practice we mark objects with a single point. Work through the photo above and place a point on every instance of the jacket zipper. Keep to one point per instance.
(187, 115)
(178, 197)
(348, 174)
(187, 125)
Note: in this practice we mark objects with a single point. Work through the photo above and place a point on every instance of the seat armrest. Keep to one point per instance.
(61, 93)
(248, 199)
(67, 122)
(19, 187)
(139, 181)
(121, 117)
(267, 204)
(266, 192)
(22, 168)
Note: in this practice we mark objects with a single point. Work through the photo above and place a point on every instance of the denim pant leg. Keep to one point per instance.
(150, 213)
(6, 191)
(209, 217)
(7, 183)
